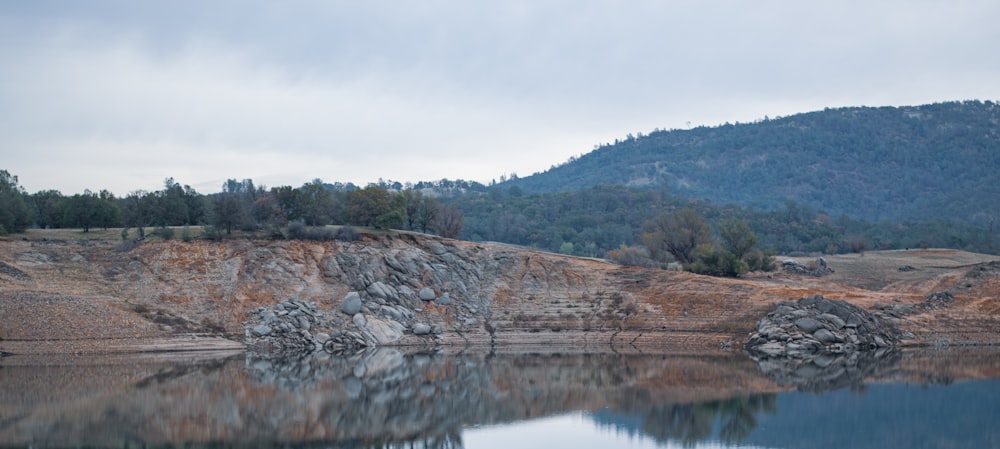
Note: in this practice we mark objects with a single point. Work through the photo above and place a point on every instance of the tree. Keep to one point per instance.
(678, 233)
(109, 212)
(314, 203)
(82, 210)
(377, 207)
(15, 212)
(49, 205)
(172, 209)
(421, 210)
(449, 222)
(736, 236)
(139, 207)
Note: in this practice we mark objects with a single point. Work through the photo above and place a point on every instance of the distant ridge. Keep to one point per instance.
(923, 162)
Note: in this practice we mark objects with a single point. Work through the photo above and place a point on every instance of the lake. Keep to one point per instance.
(478, 398)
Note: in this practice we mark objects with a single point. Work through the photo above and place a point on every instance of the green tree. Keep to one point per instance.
(314, 203)
(49, 205)
(366, 206)
(677, 233)
(139, 210)
(736, 236)
(82, 211)
(15, 212)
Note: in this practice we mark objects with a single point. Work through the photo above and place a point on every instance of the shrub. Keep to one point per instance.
(715, 261)
(165, 233)
(297, 230)
(211, 233)
(631, 256)
(319, 233)
(347, 234)
(757, 260)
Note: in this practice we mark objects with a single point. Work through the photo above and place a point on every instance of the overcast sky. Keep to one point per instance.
(119, 95)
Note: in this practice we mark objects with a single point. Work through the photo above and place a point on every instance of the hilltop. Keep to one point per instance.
(912, 163)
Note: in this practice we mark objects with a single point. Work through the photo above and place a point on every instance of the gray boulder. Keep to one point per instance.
(421, 329)
(351, 304)
(427, 294)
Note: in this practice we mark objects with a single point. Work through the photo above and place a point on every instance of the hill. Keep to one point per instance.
(910, 163)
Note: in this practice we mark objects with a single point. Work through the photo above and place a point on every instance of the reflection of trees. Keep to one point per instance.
(692, 423)
(448, 441)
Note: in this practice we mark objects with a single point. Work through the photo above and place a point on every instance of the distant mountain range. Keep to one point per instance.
(877, 163)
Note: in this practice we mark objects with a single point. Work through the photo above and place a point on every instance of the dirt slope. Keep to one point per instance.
(93, 297)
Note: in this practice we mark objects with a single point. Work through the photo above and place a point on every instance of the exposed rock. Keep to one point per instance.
(384, 331)
(421, 329)
(816, 325)
(817, 268)
(261, 330)
(351, 304)
(427, 294)
(807, 324)
(443, 300)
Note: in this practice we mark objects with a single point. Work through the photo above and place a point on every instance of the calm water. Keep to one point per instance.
(390, 398)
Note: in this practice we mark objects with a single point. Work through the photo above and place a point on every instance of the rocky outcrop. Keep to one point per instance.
(818, 268)
(816, 325)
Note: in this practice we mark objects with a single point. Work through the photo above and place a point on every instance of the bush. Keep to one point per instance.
(165, 233)
(211, 233)
(631, 256)
(757, 260)
(347, 234)
(297, 230)
(186, 233)
(715, 261)
(319, 233)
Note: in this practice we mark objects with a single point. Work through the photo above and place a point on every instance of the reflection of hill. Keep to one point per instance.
(383, 398)
(375, 398)
(730, 420)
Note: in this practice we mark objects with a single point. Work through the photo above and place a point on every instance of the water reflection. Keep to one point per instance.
(392, 398)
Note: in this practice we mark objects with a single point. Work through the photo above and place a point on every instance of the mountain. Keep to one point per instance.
(877, 163)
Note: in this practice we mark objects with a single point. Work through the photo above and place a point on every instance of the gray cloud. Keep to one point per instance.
(121, 94)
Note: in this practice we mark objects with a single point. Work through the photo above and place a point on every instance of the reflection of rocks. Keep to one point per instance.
(390, 398)
(827, 371)
(812, 326)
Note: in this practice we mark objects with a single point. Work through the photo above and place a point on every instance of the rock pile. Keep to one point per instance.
(378, 316)
(817, 268)
(817, 325)
(289, 325)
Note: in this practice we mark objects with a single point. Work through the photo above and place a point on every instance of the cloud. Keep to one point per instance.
(284, 93)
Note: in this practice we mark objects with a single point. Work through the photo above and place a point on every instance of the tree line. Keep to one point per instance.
(240, 205)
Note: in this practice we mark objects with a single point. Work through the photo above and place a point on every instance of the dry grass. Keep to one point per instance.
(880, 270)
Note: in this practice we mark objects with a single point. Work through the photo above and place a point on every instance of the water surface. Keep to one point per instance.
(483, 399)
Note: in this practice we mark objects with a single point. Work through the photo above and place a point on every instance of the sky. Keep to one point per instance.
(121, 95)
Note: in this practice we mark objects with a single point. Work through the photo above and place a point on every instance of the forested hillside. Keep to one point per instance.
(881, 164)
